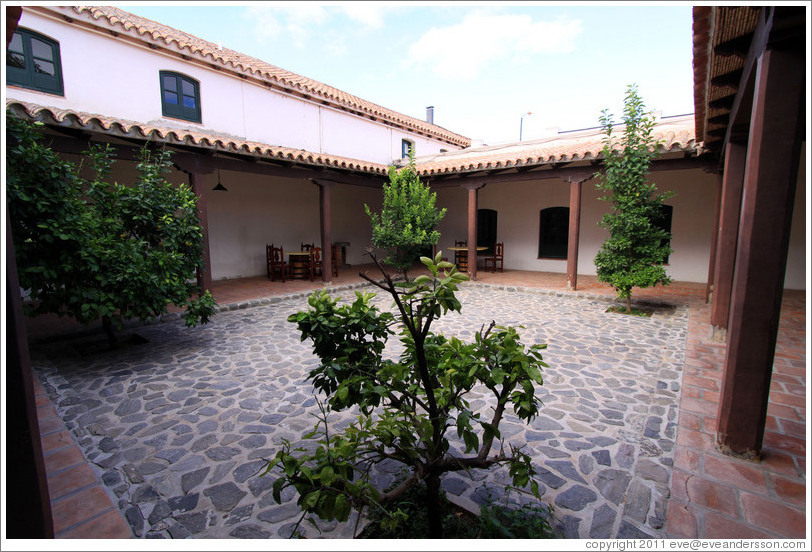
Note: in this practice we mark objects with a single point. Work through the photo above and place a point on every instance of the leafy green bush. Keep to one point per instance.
(93, 250)
(406, 225)
(407, 405)
(637, 246)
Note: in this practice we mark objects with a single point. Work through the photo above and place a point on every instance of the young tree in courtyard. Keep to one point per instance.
(409, 406)
(94, 250)
(407, 223)
(637, 246)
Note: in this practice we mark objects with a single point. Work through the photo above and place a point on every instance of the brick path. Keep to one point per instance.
(712, 496)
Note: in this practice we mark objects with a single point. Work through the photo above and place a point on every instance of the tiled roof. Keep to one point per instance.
(676, 134)
(120, 21)
(131, 129)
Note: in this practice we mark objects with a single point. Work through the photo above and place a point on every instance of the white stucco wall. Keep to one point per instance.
(123, 82)
(518, 206)
(258, 210)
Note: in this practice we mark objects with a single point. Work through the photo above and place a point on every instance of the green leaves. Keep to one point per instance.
(637, 246)
(408, 219)
(88, 248)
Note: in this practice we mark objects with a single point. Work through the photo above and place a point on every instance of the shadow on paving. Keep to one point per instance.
(179, 427)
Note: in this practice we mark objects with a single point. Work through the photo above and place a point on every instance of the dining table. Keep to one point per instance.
(462, 255)
(299, 264)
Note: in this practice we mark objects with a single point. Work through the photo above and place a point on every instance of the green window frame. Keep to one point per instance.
(180, 96)
(33, 61)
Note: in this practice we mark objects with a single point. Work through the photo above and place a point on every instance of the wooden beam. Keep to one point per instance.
(204, 161)
(770, 179)
(542, 173)
(473, 206)
(325, 221)
(197, 183)
(574, 233)
(727, 79)
(725, 102)
(714, 236)
(740, 108)
(738, 47)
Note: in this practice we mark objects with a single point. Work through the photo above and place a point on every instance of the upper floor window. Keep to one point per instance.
(405, 147)
(554, 232)
(33, 62)
(180, 96)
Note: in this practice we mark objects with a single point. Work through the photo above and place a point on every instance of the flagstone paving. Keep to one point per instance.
(178, 428)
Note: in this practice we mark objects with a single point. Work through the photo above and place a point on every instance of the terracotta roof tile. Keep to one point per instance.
(173, 39)
(124, 128)
(676, 134)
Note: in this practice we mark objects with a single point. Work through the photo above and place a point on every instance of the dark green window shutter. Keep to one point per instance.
(33, 62)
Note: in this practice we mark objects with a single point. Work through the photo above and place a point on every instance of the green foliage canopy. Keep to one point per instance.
(637, 246)
(93, 250)
(406, 225)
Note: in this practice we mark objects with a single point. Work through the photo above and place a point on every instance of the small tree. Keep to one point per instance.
(637, 246)
(408, 405)
(408, 220)
(95, 250)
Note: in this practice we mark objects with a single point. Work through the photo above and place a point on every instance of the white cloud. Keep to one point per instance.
(290, 20)
(368, 14)
(461, 51)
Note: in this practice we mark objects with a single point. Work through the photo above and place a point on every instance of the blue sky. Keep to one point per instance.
(481, 65)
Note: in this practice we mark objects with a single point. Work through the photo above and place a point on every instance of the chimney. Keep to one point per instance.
(430, 114)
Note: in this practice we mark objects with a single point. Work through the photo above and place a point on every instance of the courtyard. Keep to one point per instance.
(176, 426)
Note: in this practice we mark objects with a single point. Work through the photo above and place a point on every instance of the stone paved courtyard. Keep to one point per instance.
(178, 426)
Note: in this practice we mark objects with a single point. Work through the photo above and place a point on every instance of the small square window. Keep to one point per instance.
(405, 147)
(180, 96)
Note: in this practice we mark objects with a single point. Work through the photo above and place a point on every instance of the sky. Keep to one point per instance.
(483, 66)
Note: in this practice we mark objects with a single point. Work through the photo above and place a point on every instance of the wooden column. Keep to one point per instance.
(473, 206)
(714, 236)
(325, 216)
(29, 513)
(770, 179)
(197, 183)
(728, 232)
(574, 230)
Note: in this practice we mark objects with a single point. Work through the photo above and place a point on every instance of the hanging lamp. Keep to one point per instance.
(219, 187)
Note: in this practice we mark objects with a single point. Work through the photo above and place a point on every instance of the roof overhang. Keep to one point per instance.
(728, 42)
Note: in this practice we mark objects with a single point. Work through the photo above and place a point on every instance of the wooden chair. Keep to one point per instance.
(457, 253)
(275, 257)
(335, 260)
(315, 262)
(307, 246)
(497, 257)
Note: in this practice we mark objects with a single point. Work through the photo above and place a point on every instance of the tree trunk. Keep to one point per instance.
(629, 304)
(433, 507)
(107, 324)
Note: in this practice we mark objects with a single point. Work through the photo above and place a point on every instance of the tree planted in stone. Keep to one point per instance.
(637, 246)
(407, 223)
(91, 249)
(414, 410)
